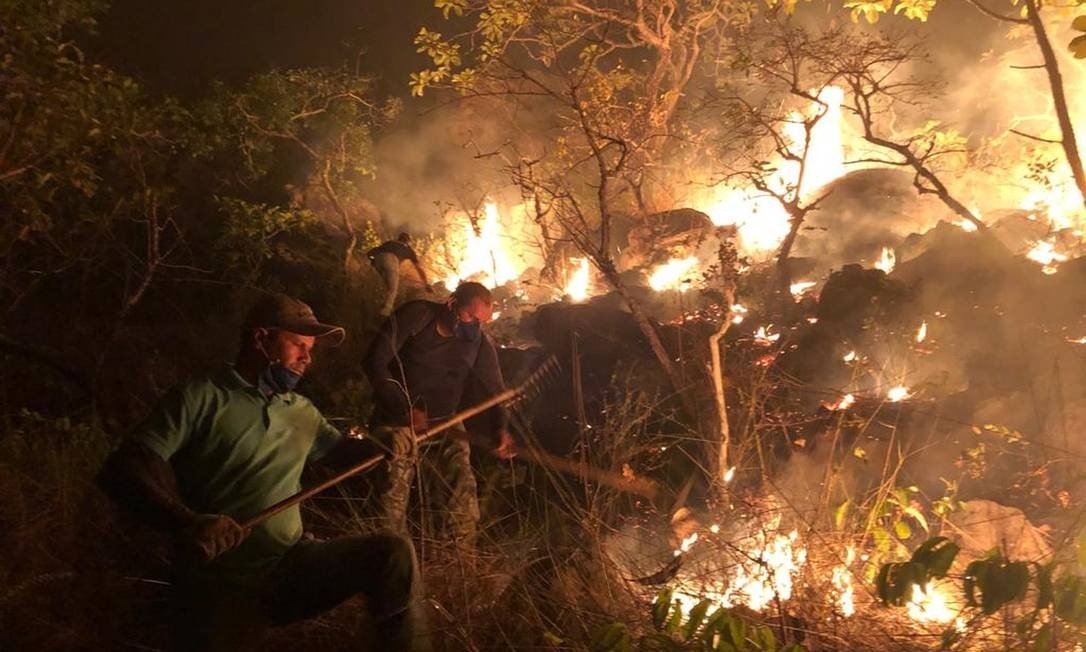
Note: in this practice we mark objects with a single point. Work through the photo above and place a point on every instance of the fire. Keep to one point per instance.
(484, 255)
(966, 225)
(768, 572)
(844, 403)
(842, 584)
(739, 313)
(760, 219)
(675, 274)
(887, 260)
(686, 543)
(729, 475)
(765, 337)
(799, 288)
(1044, 252)
(896, 394)
(929, 605)
(1061, 204)
(577, 282)
(922, 332)
(1076, 340)
(849, 357)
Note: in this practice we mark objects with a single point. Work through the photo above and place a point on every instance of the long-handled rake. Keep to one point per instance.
(530, 385)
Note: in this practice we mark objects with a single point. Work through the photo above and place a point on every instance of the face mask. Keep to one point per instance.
(278, 379)
(468, 331)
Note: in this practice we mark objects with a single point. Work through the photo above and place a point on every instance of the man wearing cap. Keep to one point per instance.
(423, 364)
(386, 259)
(218, 450)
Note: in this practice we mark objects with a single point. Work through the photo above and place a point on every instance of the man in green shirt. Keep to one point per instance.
(215, 452)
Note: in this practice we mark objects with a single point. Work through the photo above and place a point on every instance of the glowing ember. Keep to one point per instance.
(966, 225)
(922, 332)
(899, 393)
(675, 274)
(1080, 340)
(799, 288)
(577, 282)
(887, 260)
(850, 356)
(929, 605)
(842, 584)
(844, 403)
(765, 337)
(1044, 252)
(684, 546)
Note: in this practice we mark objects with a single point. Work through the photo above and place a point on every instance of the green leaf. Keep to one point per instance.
(999, 581)
(902, 530)
(840, 513)
(936, 555)
(695, 618)
(612, 637)
(917, 515)
(765, 639)
(661, 606)
(675, 620)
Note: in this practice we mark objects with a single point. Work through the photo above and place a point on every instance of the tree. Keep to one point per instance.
(326, 117)
(87, 169)
(1028, 15)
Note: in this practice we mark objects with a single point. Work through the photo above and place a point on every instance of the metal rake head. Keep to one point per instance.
(533, 385)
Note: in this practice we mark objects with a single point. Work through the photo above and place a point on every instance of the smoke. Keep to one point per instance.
(453, 157)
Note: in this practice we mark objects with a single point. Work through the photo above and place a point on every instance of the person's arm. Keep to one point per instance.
(488, 373)
(143, 483)
(422, 275)
(388, 389)
(139, 477)
(337, 450)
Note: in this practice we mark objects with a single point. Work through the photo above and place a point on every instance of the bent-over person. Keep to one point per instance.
(422, 363)
(386, 259)
(218, 450)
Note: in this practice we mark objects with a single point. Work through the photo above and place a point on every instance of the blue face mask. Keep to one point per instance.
(468, 331)
(277, 379)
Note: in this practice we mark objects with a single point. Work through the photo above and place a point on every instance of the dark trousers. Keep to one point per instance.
(213, 613)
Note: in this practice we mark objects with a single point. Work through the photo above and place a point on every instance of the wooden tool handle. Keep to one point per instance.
(376, 459)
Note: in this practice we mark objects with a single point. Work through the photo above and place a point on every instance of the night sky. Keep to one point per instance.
(177, 46)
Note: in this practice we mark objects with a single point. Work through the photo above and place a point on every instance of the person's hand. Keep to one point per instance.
(213, 534)
(507, 448)
(419, 421)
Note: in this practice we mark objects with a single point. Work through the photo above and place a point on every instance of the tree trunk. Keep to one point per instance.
(330, 193)
(1059, 99)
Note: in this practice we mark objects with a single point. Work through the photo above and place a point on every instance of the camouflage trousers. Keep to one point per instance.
(449, 458)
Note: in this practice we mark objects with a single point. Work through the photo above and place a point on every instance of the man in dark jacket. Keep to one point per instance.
(387, 259)
(422, 364)
(218, 450)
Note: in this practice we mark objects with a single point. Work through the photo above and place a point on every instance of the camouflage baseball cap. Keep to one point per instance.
(286, 313)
